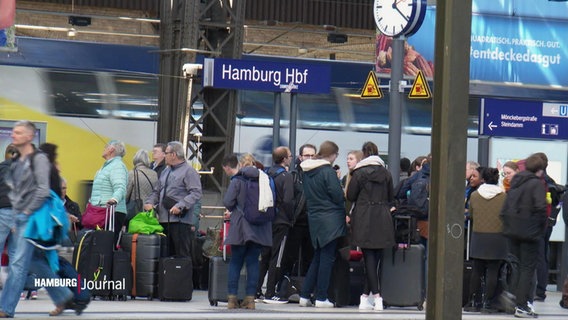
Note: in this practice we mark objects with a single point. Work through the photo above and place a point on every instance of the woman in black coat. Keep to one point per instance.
(371, 189)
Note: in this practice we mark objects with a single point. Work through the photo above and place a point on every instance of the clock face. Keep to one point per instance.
(392, 16)
(396, 17)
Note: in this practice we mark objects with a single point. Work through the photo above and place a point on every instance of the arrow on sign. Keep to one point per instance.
(491, 125)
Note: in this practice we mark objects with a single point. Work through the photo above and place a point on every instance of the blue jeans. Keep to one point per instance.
(18, 268)
(248, 254)
(42, 270)
(6, 226)
(319, 273)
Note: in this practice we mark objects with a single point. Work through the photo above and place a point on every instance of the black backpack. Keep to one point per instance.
(299, 197)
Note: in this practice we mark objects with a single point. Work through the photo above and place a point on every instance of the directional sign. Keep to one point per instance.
(524, 119)
(420, 88)
(371, 88)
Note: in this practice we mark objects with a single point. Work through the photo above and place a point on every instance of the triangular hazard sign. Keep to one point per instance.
(420, 88)
(371, 88)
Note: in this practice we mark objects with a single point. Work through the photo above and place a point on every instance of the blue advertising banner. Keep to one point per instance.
(266, 76)
(503, 49)
(524, 119)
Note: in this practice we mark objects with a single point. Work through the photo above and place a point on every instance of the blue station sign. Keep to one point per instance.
(524, 119)
(266, 76)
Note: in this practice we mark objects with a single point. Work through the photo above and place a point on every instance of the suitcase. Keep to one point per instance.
(219, 277)
(347, 282)
(121, 273)
(402, 277)
(175, 280)
(145, 252)
(92, 257)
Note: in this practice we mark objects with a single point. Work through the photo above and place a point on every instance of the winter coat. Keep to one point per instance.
(325, 202)
(241, 231)
(524, 212)
(487, 239)
(371, 189)
(147, 180)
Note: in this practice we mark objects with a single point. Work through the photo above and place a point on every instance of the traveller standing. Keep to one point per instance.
(176, 193)
(371, 190)
(326, 216)
(246, 239)
(524, 223)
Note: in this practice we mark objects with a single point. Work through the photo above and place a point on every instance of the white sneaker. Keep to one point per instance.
(305, 302)
(378, 304)
(365, 304)
(324, 304)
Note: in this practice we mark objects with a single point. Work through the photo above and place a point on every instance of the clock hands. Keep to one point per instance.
(394, 5)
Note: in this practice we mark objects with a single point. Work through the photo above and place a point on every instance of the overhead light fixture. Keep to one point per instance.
(79, 21)
(302, 50)
(71, 32)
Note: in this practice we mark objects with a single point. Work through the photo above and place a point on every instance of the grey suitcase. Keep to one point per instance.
(402, 279)
(145, 262)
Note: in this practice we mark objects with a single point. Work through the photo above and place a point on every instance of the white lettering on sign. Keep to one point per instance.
(253, 74)
(296, 76)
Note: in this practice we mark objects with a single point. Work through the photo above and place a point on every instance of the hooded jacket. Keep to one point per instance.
(284, 183)
(325, 202)
(371, 189)
(241, 231)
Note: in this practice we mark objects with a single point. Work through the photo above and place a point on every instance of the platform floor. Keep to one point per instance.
(199, 308)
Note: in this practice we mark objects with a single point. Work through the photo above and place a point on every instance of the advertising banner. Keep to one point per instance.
(7, 32)
(503, 49)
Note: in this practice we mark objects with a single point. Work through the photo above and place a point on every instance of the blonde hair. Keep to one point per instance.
(247, 159)
(357, 153)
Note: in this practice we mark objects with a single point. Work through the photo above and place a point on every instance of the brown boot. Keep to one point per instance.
(232, 302)
(248, 303)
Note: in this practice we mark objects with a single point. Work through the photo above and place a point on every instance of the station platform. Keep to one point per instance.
(199, 308)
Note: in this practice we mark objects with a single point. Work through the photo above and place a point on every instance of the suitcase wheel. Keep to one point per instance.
(213, 303)
(420, 307)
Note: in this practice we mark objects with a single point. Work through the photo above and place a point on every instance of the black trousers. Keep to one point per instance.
(542, 264)
(527, 253)
(269, 259)
(179, 238)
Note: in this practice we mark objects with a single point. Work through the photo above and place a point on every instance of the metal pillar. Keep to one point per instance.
(395, 109)
(214, 28)
(449, 140)
(276, 123)
(293, 122)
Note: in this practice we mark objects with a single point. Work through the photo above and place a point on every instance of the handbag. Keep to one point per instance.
(145, 223)
(94, 217)
(136, 204)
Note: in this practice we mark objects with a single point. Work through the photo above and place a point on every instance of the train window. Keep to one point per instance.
(103, 94)
(74, 93)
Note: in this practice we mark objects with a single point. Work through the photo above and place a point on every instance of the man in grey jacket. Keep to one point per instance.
(176, 193)
(29, 184)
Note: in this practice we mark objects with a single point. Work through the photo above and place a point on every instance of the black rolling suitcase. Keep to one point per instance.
(175, 280)
(347, 282)
(121, 273)
(219, 277)
(92, 257)
(145, 252)
(402, 277)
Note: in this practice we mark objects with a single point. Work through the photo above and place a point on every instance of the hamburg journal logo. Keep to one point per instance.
(81, 283)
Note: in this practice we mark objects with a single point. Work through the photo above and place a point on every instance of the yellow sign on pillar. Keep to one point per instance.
(371, 88)
(420, 88)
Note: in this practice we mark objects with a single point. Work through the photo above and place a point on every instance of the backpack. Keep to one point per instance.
(250, 208)
(419, 197)
(556, 193)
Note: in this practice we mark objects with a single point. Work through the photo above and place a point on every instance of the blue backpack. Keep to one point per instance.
(250, 208)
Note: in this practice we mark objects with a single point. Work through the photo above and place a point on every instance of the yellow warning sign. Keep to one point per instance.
(420, 88)
(371, 88)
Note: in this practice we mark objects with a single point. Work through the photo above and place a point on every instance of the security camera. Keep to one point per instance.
(191, 69)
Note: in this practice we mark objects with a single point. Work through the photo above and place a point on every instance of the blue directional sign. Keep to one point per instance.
(524, 119)
(266, 76)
